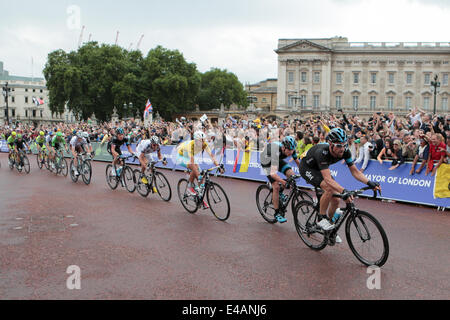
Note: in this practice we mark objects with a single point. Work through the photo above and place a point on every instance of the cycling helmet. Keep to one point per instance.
(19, 136)
(337, 135)
(80, 135)
(290, 143)
(59, 134)
(74, 132)
(120, 131)
(199, 135)
(85, 135)
(14, 134)
(154, 140)
(42, 133)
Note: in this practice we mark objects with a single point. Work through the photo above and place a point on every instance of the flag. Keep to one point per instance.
(441, 184)
(148, 109)
(37, 101)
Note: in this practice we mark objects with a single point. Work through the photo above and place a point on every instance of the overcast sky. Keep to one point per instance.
(237, 35)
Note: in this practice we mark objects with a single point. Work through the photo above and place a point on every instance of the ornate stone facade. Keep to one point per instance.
(328, 74)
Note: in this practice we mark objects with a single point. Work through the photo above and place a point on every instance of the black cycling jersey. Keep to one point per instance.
(20, 144)
(320, 158)
(119, 143)
(268, 160)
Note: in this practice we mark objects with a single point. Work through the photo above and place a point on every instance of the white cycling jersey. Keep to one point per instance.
(145, 147)
(75, 142)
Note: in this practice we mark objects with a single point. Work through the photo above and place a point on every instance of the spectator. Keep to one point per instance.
(421, 155)
(397, 156)
(409, 149)
(437, 154)
(364, 153)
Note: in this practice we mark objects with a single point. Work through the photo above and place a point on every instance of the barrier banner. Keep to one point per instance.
(396, 184)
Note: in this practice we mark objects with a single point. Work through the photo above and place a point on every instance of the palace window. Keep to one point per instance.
(304, 77)
(445, 104)
(373, 102)
(316, 77)
(316, 101)
(391, 78)
(408, 102)
(409, 78)
(445, 79)
(427, 79)
(373, 78)
(356, 77)
(338, 102)
(339, 78)
(290, 77)
(355, 102)
(390, 102)
(426, 103)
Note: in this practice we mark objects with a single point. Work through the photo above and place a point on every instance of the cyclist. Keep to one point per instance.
(143, 151)
(114, 148)
(273, 161)
(186, 158)
(55, 145)
(314, 168)
(90, 149)
(19, 145)
(11, 142)
(77, 144)
(40, 142)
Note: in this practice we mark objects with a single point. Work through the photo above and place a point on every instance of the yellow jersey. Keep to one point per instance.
(188, 148)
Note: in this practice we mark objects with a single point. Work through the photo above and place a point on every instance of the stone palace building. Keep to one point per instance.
(329, 74)
(21, 107)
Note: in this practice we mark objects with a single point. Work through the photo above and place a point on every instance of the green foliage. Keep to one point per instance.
(221, 87)
(96, 78)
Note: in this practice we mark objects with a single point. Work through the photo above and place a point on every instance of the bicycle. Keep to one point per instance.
(264, 196)
(84, 169)
(60, 164)
(157, 183)
(125, 177)
(22, 159)
(42, 158)
(211, 190)
(356, 229)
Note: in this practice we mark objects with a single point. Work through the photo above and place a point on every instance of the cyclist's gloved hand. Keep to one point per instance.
(373, 185)
(346, 195)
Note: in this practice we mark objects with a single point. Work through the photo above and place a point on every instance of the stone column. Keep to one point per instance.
(281, 90)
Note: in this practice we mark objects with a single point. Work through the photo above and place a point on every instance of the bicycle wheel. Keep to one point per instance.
(141, 187)
(64, 169)
(86, 172)
(162, 186)
(367, 239)
(305, 221)
(47, 163)
(111, 180)
(26, 164)
(11, 162)
(264, 203)
(39, 160)
(300, 195)
(129, 179)
(218, 201)
(72, 173)
(187, 201)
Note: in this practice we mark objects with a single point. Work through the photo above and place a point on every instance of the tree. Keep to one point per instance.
(220, 87)
(170, 81)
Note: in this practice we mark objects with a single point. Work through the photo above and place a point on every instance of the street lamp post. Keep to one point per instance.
(6, 91)
(435, 85)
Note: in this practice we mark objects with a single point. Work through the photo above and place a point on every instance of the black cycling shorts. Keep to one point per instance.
(283, 167)
(312, 176)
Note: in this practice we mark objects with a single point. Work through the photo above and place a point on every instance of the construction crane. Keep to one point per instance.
(131, 44)
(81, 36)
(90, 36)
(139, 43)
(117, 38)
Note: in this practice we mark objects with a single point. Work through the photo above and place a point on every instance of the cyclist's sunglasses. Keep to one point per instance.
(340, 145)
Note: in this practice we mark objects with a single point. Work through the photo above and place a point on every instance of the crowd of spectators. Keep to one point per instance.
(419, 137)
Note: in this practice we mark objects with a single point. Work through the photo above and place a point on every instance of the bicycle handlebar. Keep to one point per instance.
(356, 193)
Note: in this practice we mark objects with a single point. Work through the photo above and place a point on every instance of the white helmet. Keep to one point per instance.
(79, 134)
(85, 135)
(199, 135)
(154, 140)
